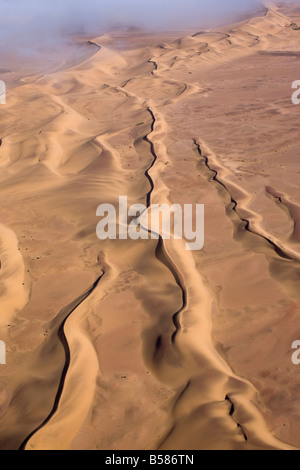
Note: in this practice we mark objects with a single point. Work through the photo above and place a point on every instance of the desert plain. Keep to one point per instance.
(142, 344)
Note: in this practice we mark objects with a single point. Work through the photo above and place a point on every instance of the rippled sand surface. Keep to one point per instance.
(123, 344)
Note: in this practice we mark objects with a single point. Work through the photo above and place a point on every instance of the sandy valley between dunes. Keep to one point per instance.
(123, 344)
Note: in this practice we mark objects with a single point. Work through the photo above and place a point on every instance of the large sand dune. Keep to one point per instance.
(123, 344)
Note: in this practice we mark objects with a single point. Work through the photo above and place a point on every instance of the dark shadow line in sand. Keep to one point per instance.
(152, 149)
(62, 337)
(246, 222)
(150, 61)
(160, 252)
(231, 413)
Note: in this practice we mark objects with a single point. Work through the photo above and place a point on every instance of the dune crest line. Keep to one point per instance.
(63, 339)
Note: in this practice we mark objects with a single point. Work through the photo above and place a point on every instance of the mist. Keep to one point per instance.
(31, 26)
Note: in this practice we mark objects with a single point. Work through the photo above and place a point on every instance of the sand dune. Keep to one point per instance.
(123, 344)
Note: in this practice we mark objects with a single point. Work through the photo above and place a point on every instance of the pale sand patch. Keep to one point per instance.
(134, 344)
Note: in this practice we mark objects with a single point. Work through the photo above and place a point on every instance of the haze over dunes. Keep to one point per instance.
(123, 344)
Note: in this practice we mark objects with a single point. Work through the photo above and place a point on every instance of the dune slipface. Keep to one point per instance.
(141, 344)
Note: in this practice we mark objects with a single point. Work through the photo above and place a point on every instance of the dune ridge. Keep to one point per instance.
(150, 334)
